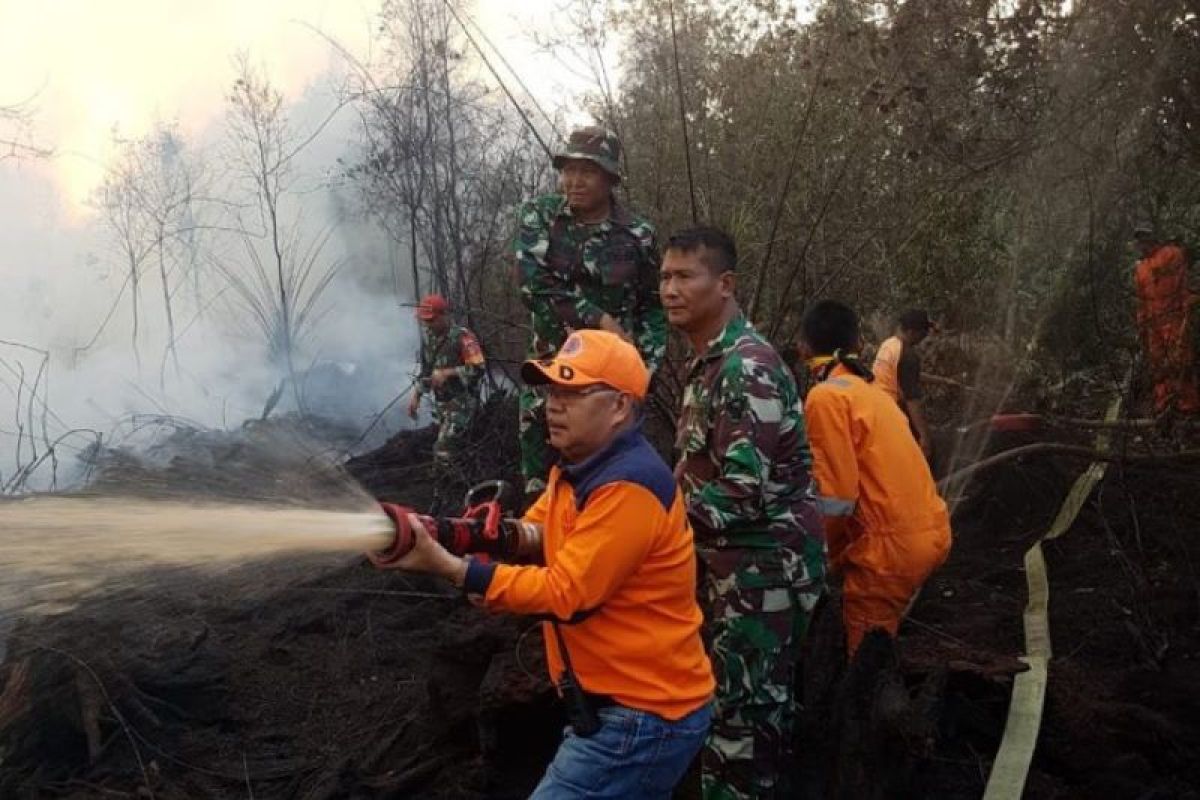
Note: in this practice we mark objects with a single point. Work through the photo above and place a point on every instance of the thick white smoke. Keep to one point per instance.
(61, 274)
(63, 280)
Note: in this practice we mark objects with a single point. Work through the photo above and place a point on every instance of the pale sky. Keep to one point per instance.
(95, 66)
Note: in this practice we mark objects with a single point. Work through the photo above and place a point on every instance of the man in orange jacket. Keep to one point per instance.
(618, 583)
(1165, 313)
(886, 527)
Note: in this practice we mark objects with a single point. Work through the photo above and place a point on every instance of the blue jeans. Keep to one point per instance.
(634, 755)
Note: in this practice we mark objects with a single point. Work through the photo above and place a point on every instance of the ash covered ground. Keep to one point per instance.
(319, 677)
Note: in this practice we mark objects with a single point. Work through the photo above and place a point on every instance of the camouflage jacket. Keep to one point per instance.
(457, 348)
(571, 274)
(744, 462)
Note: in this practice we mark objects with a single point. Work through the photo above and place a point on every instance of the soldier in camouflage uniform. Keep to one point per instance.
(451, 367)
(744, 467)
(583, 261)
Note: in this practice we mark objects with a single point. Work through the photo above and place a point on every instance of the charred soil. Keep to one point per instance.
(1120, 717)
(323, 678)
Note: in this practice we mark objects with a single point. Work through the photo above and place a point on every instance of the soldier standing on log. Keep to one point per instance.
(583, 261)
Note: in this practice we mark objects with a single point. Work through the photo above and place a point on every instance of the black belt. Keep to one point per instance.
(599, 701)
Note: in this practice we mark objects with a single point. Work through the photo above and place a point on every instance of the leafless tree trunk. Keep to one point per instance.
(285, 272)
(146, 201)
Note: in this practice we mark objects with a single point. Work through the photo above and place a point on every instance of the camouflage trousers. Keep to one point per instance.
(454, 420)
(755, 636)
(537, 456)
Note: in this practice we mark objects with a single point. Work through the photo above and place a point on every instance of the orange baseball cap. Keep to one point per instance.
(432, 306)
(588, 357)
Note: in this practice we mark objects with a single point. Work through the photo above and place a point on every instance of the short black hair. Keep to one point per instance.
(916, 319)
(830, 326)
(719, 253)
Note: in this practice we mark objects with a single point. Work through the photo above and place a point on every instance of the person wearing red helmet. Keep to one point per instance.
(450, 369)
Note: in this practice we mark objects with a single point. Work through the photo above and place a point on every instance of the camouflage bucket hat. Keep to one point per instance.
(593, 144)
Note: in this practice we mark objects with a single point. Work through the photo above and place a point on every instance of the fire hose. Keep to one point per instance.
(483, 529)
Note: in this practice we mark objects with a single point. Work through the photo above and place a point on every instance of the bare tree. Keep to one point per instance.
(444, 161)
(37, 433)
(17, 139)
(148, 201)
(285, 270)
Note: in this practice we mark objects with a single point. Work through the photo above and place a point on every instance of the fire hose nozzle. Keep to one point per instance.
(402, 542)
(481, 530)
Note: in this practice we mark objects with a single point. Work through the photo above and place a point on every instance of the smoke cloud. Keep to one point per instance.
(67, 356)
(65, 281)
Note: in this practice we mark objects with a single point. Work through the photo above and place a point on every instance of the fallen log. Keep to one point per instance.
(1149, 423)
(1071, 450)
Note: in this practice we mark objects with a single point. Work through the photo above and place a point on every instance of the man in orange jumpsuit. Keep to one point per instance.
(886, 527)
(897, 371)
(1165, 311)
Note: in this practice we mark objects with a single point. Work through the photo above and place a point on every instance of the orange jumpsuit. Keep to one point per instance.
(1165, 306)
(887, 528)
(887, 367)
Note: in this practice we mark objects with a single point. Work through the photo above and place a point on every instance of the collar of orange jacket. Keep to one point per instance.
(827, 366)
(815, 363)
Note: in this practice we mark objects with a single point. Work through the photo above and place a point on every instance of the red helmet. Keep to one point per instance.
(432, 306)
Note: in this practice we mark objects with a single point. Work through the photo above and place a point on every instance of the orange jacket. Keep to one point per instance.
(620, 565)
(1162, 288)
(887, 367)
(871, 475)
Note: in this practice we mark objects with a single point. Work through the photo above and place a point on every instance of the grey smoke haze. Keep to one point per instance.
(61, 280)
(59, 276)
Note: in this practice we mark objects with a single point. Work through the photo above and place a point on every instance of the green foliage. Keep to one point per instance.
(985, 160)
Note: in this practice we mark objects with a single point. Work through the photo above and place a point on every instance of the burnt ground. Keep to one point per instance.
(1122, 714)
(323, 678)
